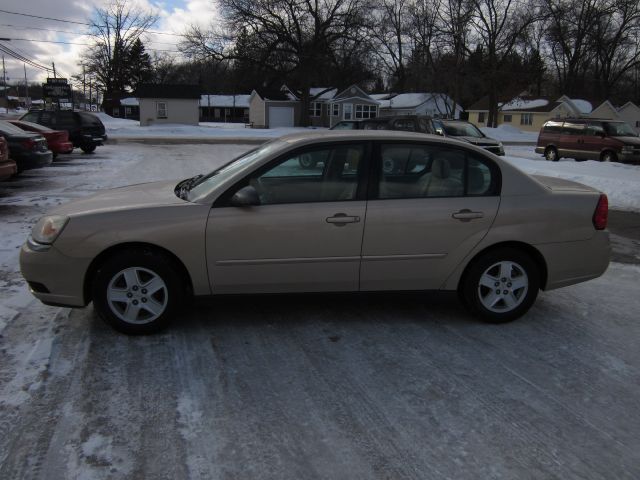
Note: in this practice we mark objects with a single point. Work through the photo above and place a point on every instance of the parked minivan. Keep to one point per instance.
(589, 139)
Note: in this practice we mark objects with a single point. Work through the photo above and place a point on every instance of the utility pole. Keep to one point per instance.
(90, 96)
(84, 87)
(27, 102)
(53, 64)
(4, 84)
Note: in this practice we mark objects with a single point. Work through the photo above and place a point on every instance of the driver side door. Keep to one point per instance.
(306, 233)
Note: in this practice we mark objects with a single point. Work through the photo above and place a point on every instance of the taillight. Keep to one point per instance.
(602, 213)
(29, 144)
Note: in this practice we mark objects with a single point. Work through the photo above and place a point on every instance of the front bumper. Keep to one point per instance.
(54, 278)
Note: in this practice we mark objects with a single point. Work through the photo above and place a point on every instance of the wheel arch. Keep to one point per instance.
(112, 250)
(530, 250)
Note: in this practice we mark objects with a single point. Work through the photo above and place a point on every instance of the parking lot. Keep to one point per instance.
(364, 386)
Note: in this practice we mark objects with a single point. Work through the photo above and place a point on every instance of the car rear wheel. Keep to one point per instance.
(88, 148)
(501, 285)
(551, 154)
(137, 291)
(608, 156)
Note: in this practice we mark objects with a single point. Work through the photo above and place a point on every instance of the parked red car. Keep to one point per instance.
(8, 167)
(57, 140)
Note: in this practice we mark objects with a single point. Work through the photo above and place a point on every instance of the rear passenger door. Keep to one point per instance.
(425, 215)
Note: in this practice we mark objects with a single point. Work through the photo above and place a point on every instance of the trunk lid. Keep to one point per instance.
(560, 185)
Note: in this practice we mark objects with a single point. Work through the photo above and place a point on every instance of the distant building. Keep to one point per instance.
(168, 104)
(435, 105)
(122, 106)
(224, 108)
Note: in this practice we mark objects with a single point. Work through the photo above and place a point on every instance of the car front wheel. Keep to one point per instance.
(608, 156)
(137, 291)
(501, 285)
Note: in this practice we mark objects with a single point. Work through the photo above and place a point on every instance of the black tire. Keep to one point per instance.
(551, 154)
(306, 161)
(608, 156)
(476, 296)
(88, 148)
(153, 310)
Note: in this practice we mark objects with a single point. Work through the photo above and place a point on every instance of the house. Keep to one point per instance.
(326, 107)
(352, 104)
(168, 104)
(630, 113)
(435, 105)
(118, 107)
(224, 108)
(529, 113)
(273, 108)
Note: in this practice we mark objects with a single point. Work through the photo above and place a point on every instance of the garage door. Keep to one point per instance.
(280, 117)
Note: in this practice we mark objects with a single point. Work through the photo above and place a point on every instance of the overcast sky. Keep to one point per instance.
(175, 17)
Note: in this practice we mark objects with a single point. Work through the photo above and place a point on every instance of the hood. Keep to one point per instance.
(629, 140)
(143, 195)
(560, 185)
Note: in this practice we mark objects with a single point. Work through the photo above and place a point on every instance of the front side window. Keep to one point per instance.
(328, 174)
(595, 130)
(619, 129)
(315, 109)
(161, 109)
(420, 171)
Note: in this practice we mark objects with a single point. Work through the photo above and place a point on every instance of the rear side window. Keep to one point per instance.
(31, 117)
(595, 130)
(419, 171)
(552, 127)
(572, 128)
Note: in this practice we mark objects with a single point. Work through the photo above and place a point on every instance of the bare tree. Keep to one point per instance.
(114, 30)
(389, 31)
(499, 25)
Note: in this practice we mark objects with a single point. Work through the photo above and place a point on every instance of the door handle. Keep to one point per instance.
(341, 219)
(466, 215)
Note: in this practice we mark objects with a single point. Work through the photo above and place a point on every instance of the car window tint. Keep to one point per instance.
(321, 175)
(417, 171)
(572, 128)
(31, 117)
(595, 130)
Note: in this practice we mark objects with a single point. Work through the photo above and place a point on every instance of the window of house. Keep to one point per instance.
(227, 112)
(315, 109)
(526, 119)
(335, 109)
(347, 110)
(366, 111)
(127, 110)
(161, 109)
(507, 119)
(481, 117)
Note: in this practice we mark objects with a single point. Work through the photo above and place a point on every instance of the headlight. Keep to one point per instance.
(48, 228)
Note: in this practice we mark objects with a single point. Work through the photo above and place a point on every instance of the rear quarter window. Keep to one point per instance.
(552, 127)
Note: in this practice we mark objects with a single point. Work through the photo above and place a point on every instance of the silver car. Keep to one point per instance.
(449, 216)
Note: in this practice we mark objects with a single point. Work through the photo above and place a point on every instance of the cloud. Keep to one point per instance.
(175, 16)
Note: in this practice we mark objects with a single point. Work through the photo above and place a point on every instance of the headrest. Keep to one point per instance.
(440, 168)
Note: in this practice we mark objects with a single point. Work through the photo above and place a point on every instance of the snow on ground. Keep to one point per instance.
(621, 182)
(508, 133)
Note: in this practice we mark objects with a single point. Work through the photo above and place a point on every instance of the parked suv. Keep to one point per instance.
(86, 131)
(589, 139)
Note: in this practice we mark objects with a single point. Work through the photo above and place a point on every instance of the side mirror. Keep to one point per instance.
(440, 132)
(245, 197)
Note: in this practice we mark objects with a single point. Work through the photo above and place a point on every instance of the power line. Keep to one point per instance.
(22, 58)
(84, 44)
(82, 23)
(24, 27)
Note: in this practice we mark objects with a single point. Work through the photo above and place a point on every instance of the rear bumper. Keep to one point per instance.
(31, 160)
(8, 169)
(569, 263)
(61, 147)
(53, 278)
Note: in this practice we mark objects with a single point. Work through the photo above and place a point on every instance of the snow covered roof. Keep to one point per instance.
(583, 105)
(129, 102)
(324, 93)
(411, 100)
(225, 101)
(524, 104)
(381, 96)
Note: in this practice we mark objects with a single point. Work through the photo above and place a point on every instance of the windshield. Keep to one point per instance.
(619, 129)
(207, 183)
(462, 130)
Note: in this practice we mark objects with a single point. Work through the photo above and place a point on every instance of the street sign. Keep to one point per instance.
(57, 81)
(56, 90)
